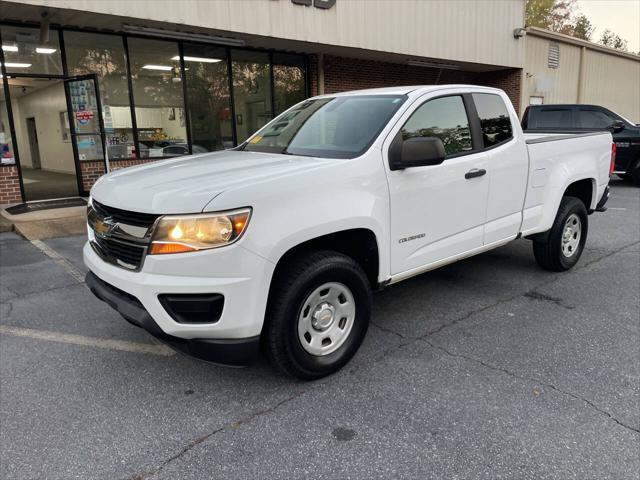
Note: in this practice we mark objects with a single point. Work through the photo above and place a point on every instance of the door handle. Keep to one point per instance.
(475, 172)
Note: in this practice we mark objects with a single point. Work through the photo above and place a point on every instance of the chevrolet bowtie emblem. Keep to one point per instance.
(104, 226)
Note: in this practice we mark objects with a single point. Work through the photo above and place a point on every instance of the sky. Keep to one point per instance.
(620, 16)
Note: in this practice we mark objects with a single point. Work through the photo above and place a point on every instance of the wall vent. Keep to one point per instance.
(553, 60)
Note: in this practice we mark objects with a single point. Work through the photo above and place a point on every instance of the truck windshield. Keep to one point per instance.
(338, 127)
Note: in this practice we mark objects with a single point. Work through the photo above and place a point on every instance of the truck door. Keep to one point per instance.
(507, 167)
(437, 211)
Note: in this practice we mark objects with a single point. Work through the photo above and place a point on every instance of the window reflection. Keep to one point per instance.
(251, 92)
(103, 55)
(158, 98)
(494, 118)
(444, 118)
(25, 51)
(208, 98)
(6, 142)
(289, 83)
(593, 119)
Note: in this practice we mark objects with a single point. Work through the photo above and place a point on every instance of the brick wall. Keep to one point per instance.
(93, 170)
(9, 185)
(342, 74)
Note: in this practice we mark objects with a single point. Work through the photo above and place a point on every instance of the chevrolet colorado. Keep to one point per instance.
(280, 242)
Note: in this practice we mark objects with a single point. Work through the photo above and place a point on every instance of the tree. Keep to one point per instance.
(552, 15)
(611, 40)
(583, 28)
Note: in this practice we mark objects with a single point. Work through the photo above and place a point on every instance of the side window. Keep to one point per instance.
(444, 118)
(553, 118)
(593, 119)
(494, 119)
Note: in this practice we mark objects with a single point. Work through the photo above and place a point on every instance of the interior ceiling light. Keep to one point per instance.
(423, 63)
(197, 59)
(45, 50)
(159, 32)
(10, 48)
(17, 65)
(163, 68)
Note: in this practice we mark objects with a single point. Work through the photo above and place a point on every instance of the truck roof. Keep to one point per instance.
(405, 90)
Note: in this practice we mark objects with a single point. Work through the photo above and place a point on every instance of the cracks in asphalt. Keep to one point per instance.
(533, 294)
(10, 301)
(537, 381)
(203, 438)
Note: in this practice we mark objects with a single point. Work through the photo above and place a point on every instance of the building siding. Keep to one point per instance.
(605, 78)
(461, 30)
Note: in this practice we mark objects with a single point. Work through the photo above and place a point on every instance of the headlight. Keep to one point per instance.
(189, 233)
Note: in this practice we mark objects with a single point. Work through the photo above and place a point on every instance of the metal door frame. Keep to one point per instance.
(72, 126)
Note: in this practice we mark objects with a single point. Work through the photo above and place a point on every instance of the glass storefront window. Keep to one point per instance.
(103, 55)
(6, 142)
(208, 98)
(289, 82)
(26, 52)
(158, 98)
(251, 91)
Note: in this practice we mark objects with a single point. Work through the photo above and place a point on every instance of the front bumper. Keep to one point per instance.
(234, 352)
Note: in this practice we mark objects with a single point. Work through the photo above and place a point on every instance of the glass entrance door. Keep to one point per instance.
(86, 124)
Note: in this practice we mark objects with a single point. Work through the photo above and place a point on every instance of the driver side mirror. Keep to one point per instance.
(617, 126)
(416, 152)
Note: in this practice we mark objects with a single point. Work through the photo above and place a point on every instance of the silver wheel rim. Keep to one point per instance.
(326, 319)
(571, 235)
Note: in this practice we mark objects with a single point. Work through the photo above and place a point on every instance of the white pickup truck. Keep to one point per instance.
(280, 242)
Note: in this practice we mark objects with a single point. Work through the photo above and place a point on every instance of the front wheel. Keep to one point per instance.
(565, 242)
(318, 314)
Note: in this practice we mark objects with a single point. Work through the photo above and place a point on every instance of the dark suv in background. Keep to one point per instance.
(590, 118)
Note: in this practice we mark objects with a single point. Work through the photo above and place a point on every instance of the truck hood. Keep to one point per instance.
(188, 184)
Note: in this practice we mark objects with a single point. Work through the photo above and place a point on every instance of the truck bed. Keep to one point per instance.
(555, 161)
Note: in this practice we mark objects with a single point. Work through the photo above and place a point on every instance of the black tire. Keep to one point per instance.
(291, 288)
(549, 254)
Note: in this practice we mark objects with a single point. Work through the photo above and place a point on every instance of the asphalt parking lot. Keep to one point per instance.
(488, 368)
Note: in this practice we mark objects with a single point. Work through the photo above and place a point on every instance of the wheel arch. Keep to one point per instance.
(361, 244)
(584, 189)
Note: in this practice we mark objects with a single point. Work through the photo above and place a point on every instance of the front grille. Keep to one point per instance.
(124, 254)
(124, 216)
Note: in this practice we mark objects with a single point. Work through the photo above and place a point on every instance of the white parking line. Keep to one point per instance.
(616, 208)
(59, 259)
(121, 345)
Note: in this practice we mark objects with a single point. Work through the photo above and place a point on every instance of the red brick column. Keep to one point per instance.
(91, 171)
(9, 185)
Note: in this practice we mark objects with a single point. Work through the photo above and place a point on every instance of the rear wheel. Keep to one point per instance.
(564, 244)
(318, 314)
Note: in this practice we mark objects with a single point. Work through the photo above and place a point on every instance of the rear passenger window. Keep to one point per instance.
(494, 119)
(552, 118)
(593, 119)
(444, 118)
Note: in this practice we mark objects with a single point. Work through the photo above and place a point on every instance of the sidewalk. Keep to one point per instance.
(59, 222)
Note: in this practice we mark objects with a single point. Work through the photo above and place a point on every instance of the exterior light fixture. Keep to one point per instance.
(519, 32)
